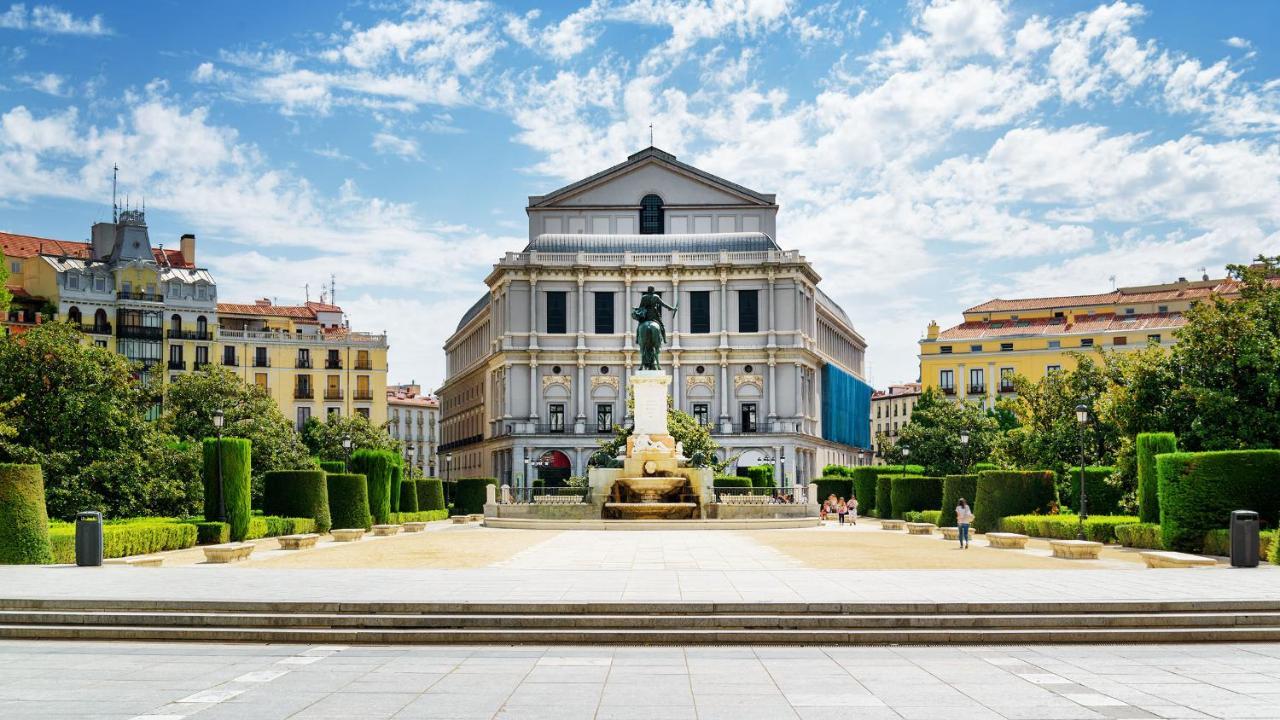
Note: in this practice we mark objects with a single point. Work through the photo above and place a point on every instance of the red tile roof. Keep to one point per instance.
(26, 246)
(266, 308)
(1083, 325)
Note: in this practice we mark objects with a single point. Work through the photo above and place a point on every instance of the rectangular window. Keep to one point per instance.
(362, 360)
(260, 357)
(600, 226)
(945, 349)
(260, 379)
(577, 226)
(304, 357)
(604, 313)
(1153, 339)
(700, 311)
(1086, 342)
(362, 388)
(229, 355)
(975, 348)
(1006, 379)
(748, 311)
(175, 354)
(332, 360)
(1120, 340)
(679, 224)
(1055, 344)
(1128, 311)
(363, 412)
(947, 380)
(1006, 347)
(702, 414)
(73, 282)
(1053, 369)
(604, 418)
(750, 223)
(100, 283)
(100, 343)
(304, 414)
(748, 417)
(555, 413)
(202, 355)
(333, 388)
(626, 225)
(556, 313)
(975, 380)
(1163, 309)
(725, 224)
(702, 224)
(553, 226)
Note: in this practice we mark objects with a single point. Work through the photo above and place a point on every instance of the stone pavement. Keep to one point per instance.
(660, 550)
(138, 680)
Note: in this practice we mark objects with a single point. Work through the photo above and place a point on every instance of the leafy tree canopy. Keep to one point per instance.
(324, 438)
(933, 436)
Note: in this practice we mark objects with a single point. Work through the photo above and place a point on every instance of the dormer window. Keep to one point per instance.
(651, 215)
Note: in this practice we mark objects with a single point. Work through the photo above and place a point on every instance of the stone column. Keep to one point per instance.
(580, 390)
(582, 313)
(533, 311)
(773, 392)
(533, 390)
(626, 313)
(676, 385)
(506, 391)
(724, 309)
(773, 311)
(724, 390)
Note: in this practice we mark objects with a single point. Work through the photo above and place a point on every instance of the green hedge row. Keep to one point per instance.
(349, 500)
(955, 487)
(123, 539)
(297, 494)
(212, 532)
(1098, 528)
(836, 471)
(1003, 493)
(430, 494)
(725, 484)
(841, 487)
(1148, 446)
(333, 466)
(1218, 542)
(422, 516)
(1143, 535)
(761, 476)
(864, 485)
(927, 516)
(1198, 491)
(234, 472)
(1103, 496)
(24, 522)
(884, 496)
(470, 495)
(376, 466)
(914, 493)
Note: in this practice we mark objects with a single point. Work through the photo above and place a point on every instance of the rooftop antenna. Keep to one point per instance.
(306, 288)
(115, 210)
(1204, 273)
(650, 134)
(333, 289)
(1113, 282)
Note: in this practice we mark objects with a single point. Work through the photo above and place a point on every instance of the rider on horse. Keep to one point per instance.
(650, 311)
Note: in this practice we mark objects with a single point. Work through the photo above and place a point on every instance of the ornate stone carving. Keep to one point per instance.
(690, 381)
(741, 380)
(604, 381)
(562, 380)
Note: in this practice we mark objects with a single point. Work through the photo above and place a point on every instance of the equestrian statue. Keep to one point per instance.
(651, 333)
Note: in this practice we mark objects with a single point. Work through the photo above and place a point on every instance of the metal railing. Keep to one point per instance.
(363, 395)
(177, 364)
(304, 393)
(303, 364)
(333, 394)
(189, 335)
(139, 332)
(201, 363)
(144, 296)
(104, 329)
(330, 364)
(262, 362)
(230, 361)
(340, 338)
(977, 389)
(752, 496)
(548, 495)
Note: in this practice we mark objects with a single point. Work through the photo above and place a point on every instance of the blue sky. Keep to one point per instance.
(926, 155)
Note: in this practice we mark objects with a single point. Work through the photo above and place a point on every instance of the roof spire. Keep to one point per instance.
(115, 209)
(650, 134)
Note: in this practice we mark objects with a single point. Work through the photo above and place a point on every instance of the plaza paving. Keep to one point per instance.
(254, 682)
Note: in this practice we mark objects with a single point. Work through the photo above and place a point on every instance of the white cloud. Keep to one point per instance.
(51, 19)
(47, 83)
(385, 143)
(1238, 42)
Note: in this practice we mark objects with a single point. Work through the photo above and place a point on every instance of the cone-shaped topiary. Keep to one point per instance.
(430, 494)
(1149, 445)
(955, 487)
(235, 474)
(408, 496)
(24, 522)
(349, 500)
(397, 477)
(333, 466)
(864, 484)
(376, 466)
(297, 494)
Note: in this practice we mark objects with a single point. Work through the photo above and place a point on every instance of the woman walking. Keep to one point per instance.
(853, 510)
(964, 516)
(841, 510)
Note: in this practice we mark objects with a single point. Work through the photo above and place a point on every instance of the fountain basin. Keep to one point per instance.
(652, 510)
(652, 489)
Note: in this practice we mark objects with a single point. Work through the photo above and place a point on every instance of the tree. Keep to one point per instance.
(324, 439)
(696, 440)
(6, 297)
(933, 435)
(248, 412)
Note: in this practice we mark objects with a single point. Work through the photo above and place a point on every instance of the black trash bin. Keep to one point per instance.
(1244, 538)
(89, 538)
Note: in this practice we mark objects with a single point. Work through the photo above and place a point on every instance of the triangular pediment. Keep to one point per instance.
(651, 171)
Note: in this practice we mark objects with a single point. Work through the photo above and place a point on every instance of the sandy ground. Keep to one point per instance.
(867, 547)
(450, 547)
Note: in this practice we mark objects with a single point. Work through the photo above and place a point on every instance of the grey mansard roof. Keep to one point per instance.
(692, 243)
(651, 154)
(473, 311)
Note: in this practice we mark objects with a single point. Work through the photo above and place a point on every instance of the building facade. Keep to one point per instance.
(413, 418)
(978, 359)
(157, 307)
(891, 411)
(537, 369)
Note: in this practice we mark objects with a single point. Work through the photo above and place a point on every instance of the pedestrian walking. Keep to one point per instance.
(964, 517)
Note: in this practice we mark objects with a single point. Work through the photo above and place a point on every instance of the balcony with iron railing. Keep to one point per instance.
(142, 296)
(200, 364)
(232, 361)
(331, 364)
(104, 329)
(977, 389)
(948, 390)
(1006, 386)
(139, 332)
(363, 365)
(189, 335)
(333, 393)
(303, 393)
(328, 338)
(177, 364)
(303, 363)
(363, 395)
(261, 362)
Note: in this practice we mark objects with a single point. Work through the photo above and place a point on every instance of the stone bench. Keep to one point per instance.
(384, 530)
(1007, 541)
(228, 552)
(892, 524)
(347, 534)
(143, 561)
(1075, 549)
(414, 527)
(950, 533)
(476, 517)
(1165, 559)
(298, 542)
(920, 528)
(459, 519)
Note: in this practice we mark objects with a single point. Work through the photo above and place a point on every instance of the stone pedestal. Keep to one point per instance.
(650, 389)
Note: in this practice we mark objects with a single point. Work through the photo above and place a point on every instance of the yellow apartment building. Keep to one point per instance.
(307, 358)
(977, 359)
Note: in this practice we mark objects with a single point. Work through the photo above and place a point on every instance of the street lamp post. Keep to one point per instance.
(448, 466)
(964, 444)
(1082, 419)
(218, 419)
(346, 452)
(906, 453)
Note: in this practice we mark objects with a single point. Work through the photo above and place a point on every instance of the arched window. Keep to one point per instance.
(202, 325)
(651, 215)
(73, 315)
(100, 318)
(175, 324)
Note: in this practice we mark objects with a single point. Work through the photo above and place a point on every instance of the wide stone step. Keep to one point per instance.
(690, 636)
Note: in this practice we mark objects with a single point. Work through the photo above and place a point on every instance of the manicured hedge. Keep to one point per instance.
(984, 466)
(349, 500)
(926, 516)
(955, 487)
(1218, 542)
(1098, 528)
(762, 476)
(836, 471)
(1274, 553)
(397, 478)
(297, 493)
(236, 466)
(430, 494)
(884, 496)
(422, 516)
(864, 485)
(914, 493)
(273, 526)
(376, 466)
(24, 522)
(726, 484)
(333, 466)
(123, 539)
(1148, 446)
(1002, 493)
(1198, 491)
(408, 496)
(212, 533)
(470, 496)
(1140, 535)
(841, 487)
(1104, 497)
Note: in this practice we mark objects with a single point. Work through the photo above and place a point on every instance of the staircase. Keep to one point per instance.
(643, 624)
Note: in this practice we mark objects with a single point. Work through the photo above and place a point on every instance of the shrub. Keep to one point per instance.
(912, 516)
(841, 487)
(376, 466)
(430, 494)
(732, 485)
(982, 466)
(1140, 535)
(1103, 496)
(761, 476)
(349, 500)
(539, 484)
(236, 483)
(408, 496)
(864, 485)
(884, 496)
(1150, 445)
(1198, 491)
(397, 479)
(212, 533)
(423, 516)
(1218, 542)
(1001, 493)
(1274, 552)
(914, 493)
(257, 528)
(135, 536)
(930, 516)
(470, 495)
(1098, 528)
(955, 487)
(297, 493)
(836, 471)
(333, 466)
(24, 522)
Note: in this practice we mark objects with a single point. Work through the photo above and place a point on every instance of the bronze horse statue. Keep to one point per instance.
(650, 332)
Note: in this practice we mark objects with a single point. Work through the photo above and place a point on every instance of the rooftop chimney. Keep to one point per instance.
(189, 248)
(262, 302)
